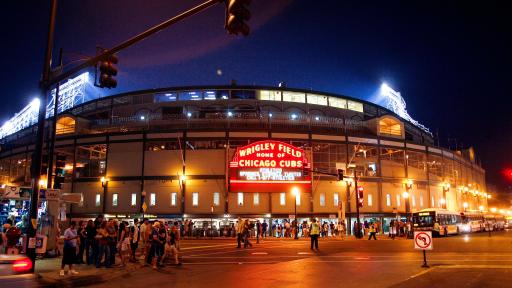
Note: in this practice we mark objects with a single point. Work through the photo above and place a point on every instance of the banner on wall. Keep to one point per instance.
(269, 166)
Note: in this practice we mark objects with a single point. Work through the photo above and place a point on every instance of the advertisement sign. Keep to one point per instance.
(10, 192)
(269, 166)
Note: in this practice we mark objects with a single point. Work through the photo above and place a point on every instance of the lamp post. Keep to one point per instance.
(104, 184)
(349, 184)
(211, 222)
(296, 193)
(406, 194)
(446, 188)
(465, 205)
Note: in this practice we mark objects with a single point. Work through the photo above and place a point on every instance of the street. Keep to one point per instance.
(465, 260)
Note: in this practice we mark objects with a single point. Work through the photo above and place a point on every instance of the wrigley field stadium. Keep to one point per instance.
(211, 154)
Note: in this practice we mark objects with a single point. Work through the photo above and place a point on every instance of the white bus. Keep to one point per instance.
(450, 222)
(473, 221)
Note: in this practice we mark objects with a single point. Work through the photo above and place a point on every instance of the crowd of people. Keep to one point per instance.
(290, 229)
(101, 241)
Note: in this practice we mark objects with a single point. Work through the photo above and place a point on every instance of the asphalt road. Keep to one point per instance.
(465, 261)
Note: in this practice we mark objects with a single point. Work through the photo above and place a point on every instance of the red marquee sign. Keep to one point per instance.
(269, 166)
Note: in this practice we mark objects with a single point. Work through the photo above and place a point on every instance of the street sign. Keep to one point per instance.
(291, 216)
(423, 240)
(144, 207)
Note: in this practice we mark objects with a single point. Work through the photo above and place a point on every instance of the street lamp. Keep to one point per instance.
(104, 184)
(465, 205)
(408, 187)
(296, 193)
(211, 222)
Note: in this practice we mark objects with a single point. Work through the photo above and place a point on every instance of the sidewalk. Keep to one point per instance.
(337, 238)
(48, 270)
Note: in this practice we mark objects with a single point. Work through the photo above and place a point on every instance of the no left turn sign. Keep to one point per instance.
(423, 240)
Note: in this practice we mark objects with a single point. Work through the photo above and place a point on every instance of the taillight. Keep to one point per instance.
(22, 265)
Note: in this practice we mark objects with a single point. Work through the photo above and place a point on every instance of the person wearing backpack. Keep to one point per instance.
(314, 234)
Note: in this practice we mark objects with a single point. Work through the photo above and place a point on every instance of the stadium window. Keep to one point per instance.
(398, 202)
(243, 94)
(195, 199)
(297, 200)
(256, 199)
(413, 201)
(114, 199)
(282, 199)
(165, 97)
(216, 198)
(210, 95)
(336, 199)
(337, 102)
(134, 199)
(294, 97)
(433, 202)
(355, 106)
(152, 199)
(316, 99)
(190, 96)
(98, 200)
(174, 199)
(388, 200)
(269, 95)
(421, 201)
(322, 199)
(370, 200)
(240, 198)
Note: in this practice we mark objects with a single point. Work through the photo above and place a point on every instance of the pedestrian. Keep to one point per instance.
(134, 239)
(112, 240)
(143, 238)
(90, 243)
(69, 252)
(341, 229)
(171, 246)
(264, 227)
(123, 243)
(246, 233)
(12, 236)
(102, 238)
(239, 231)
(372, 231)
(156, 243)
(314, 233)
(83, 236)
(392, 229)
(258, 231)
(177, 237)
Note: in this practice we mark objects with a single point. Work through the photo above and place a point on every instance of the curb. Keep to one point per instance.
(81, 280)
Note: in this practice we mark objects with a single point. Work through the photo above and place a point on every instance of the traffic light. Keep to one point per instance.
(237, 13)
(340, 174)
(60, 163)
(108, 71)
(360, 196)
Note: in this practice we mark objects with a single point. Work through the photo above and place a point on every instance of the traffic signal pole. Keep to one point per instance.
(35, 167)
(47, 81)
(358, 231)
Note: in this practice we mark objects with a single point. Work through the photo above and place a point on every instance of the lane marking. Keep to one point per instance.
(421, 273)
(475, 267)
(204, 247)
(303, 253)
(362, 258)
(259, 253)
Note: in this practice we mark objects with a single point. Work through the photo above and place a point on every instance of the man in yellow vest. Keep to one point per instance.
(373, 232)
(314, 234)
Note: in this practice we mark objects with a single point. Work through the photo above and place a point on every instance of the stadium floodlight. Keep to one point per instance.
(396, 103)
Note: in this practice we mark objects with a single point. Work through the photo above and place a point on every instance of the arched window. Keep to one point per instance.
(65, 125)
(390, 126)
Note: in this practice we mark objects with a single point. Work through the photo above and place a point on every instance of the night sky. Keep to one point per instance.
(450, 60)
